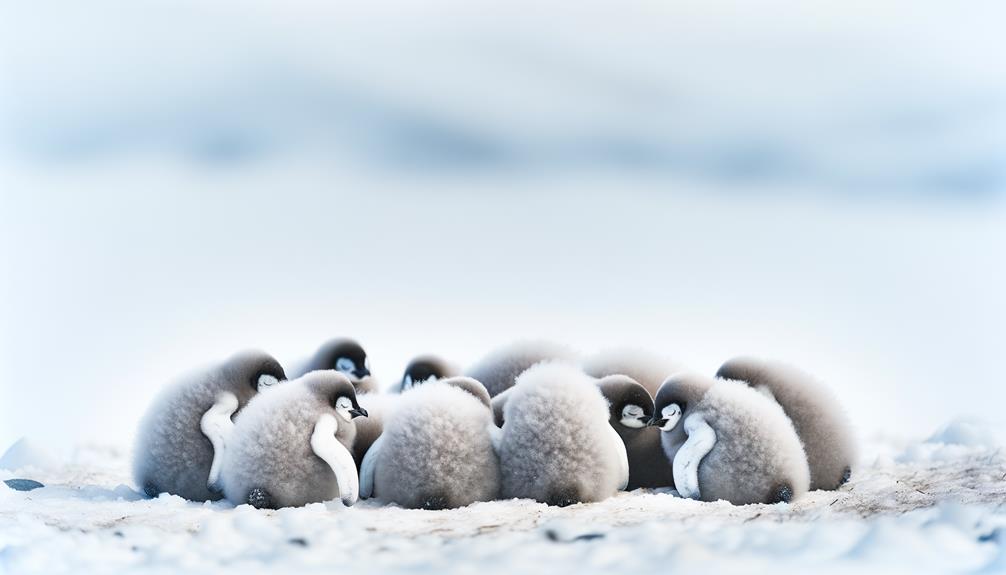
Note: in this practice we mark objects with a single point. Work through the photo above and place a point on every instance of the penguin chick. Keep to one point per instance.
(291, 446)
(348, 358)
(422, 369)
(727, 441)
(557, 446)
(500, 368)
(630, 410)
(438, 450)
(816, 414)
(648, 369)
(183, 435)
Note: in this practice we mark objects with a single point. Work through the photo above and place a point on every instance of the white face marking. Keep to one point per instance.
(342, 407)
(672, 413)
(346, 366)
(265, 381)
(631, 415)
(407, 382)
(366, 362)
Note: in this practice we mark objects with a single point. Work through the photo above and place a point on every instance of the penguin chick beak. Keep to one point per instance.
(358, 412)
(644, 420)
(655, 422)
(361, 373)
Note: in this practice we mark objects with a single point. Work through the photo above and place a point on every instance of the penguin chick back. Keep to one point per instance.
(436, 451)
(815, 410)
(557, 442)
(498, 370)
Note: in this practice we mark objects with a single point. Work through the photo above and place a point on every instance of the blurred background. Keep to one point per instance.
(816, 182)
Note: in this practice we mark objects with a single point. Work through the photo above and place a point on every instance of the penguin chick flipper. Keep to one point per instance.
(368, 467)
(701, 439)
(327, 447)
(216, 425)
(623, 458)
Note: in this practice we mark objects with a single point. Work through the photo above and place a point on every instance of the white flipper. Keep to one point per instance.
(216, 425)
(623, 458)
(701, 439)
(326, 446)
(368, 467)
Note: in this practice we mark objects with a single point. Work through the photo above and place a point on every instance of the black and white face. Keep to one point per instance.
(630, 405)
(347, 407)
(267, 374)
(668, 417)
(634, 416)
(351, 360)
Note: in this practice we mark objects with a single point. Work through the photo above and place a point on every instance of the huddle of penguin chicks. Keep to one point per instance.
(530, 420)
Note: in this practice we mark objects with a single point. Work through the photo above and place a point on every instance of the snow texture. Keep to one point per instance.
(900, 513)
(557, 444)
(500, 368)
(171, 453)
(816, 413)
(25, 454)
(271, 449)
(436, 451)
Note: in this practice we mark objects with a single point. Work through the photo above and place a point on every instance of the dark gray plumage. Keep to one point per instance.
(630, 409)
(172, 453)
(291, 446)
(817, 415)
(499, 369)
(348, 357)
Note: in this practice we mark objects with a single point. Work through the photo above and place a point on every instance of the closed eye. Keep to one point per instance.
(345, 365)
(266, 381)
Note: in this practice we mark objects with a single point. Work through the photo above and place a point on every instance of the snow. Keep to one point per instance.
(899, 514)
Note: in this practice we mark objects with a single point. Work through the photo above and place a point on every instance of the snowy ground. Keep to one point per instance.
(928, 506)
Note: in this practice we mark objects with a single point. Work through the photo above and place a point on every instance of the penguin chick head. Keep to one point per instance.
(336, 392)
(422, 369)
(630, 404)
(346, 356)
(472, 386)
(746, 369)
(253, 369)
(675, 395)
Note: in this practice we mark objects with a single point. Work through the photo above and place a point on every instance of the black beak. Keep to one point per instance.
(358, 412)
(654, 422)
(644, 420)
(361, 373)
